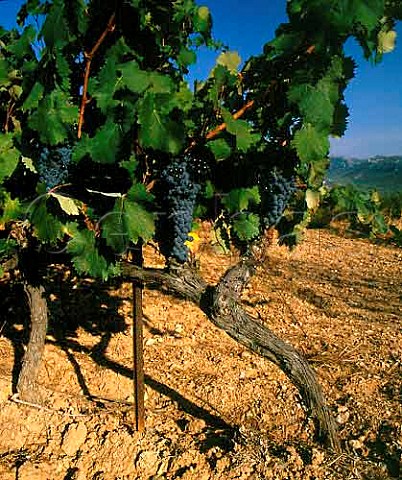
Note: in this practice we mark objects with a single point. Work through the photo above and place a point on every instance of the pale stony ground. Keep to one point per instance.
(214, 410)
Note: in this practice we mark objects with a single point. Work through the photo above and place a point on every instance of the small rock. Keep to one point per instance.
(196, 425)
(343, 415)
(356, 444)
(5, 390)
(29, 471)
(73, 438)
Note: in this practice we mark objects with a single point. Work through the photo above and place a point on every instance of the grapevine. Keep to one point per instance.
(113, 75)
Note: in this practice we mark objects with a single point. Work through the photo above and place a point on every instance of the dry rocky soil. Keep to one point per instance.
(214, 410)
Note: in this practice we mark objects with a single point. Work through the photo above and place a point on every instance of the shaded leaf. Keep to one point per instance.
(103, 147)
(9, 156)
(158, 131)
(4, 69)
(47, 228)
(242, 130)
(220, 148)
(86, 258)
(239, 199)
(53, 117)
(247, 226)
(140, 223)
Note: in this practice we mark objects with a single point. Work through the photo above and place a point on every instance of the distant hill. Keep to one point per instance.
(381, 173)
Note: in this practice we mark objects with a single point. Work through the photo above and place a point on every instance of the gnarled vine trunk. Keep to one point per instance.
(26, 385)
(222, 306)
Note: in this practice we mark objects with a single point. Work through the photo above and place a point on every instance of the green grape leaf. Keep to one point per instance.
(103, 147)
(4, 70)
(229, 60)
(114, 229)
(53, 116)
(47, 228)
(67, 204)
(140, 223)
(9, 156)
(246, 226)
(314, 104)
(63, 70)
(317, 172)
(285, 42)
(368, 13)
(103, 86)
(340, 121)
(186, 57)
(131, 166)
(133, 77)
(220, 148)
(139, 193)
(160, 83)
(12, 209)
(157, 131)
(379, 224)
(7, 247)
(55, 29)
(242, 130)
(23, 45)
(239, 199)
(311, 145)
(183, 98)
(33, 97)
(209, 191)
(128, 221)
(86, 257)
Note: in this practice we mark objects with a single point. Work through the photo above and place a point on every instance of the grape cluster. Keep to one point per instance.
(52, 165)
(179, 193)
(276, 191)
(198, 166)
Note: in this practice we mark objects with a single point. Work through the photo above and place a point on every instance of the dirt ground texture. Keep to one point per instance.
(214, 410)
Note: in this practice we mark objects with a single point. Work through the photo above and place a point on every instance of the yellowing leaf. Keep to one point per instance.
(386, 41)
(230, 60)
(28, 164)
(312, 199)
(193, 245)
(375, 197)
(67, 204)
(202, 20)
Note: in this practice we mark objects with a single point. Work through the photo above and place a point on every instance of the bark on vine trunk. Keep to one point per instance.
(222, 306)
(26, 385)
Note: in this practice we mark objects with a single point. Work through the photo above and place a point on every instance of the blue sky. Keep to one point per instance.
(374, 97)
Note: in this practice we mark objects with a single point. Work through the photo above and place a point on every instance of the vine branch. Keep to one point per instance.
(111, 25)
(222, 305)
(10, 109)
(220, 128)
